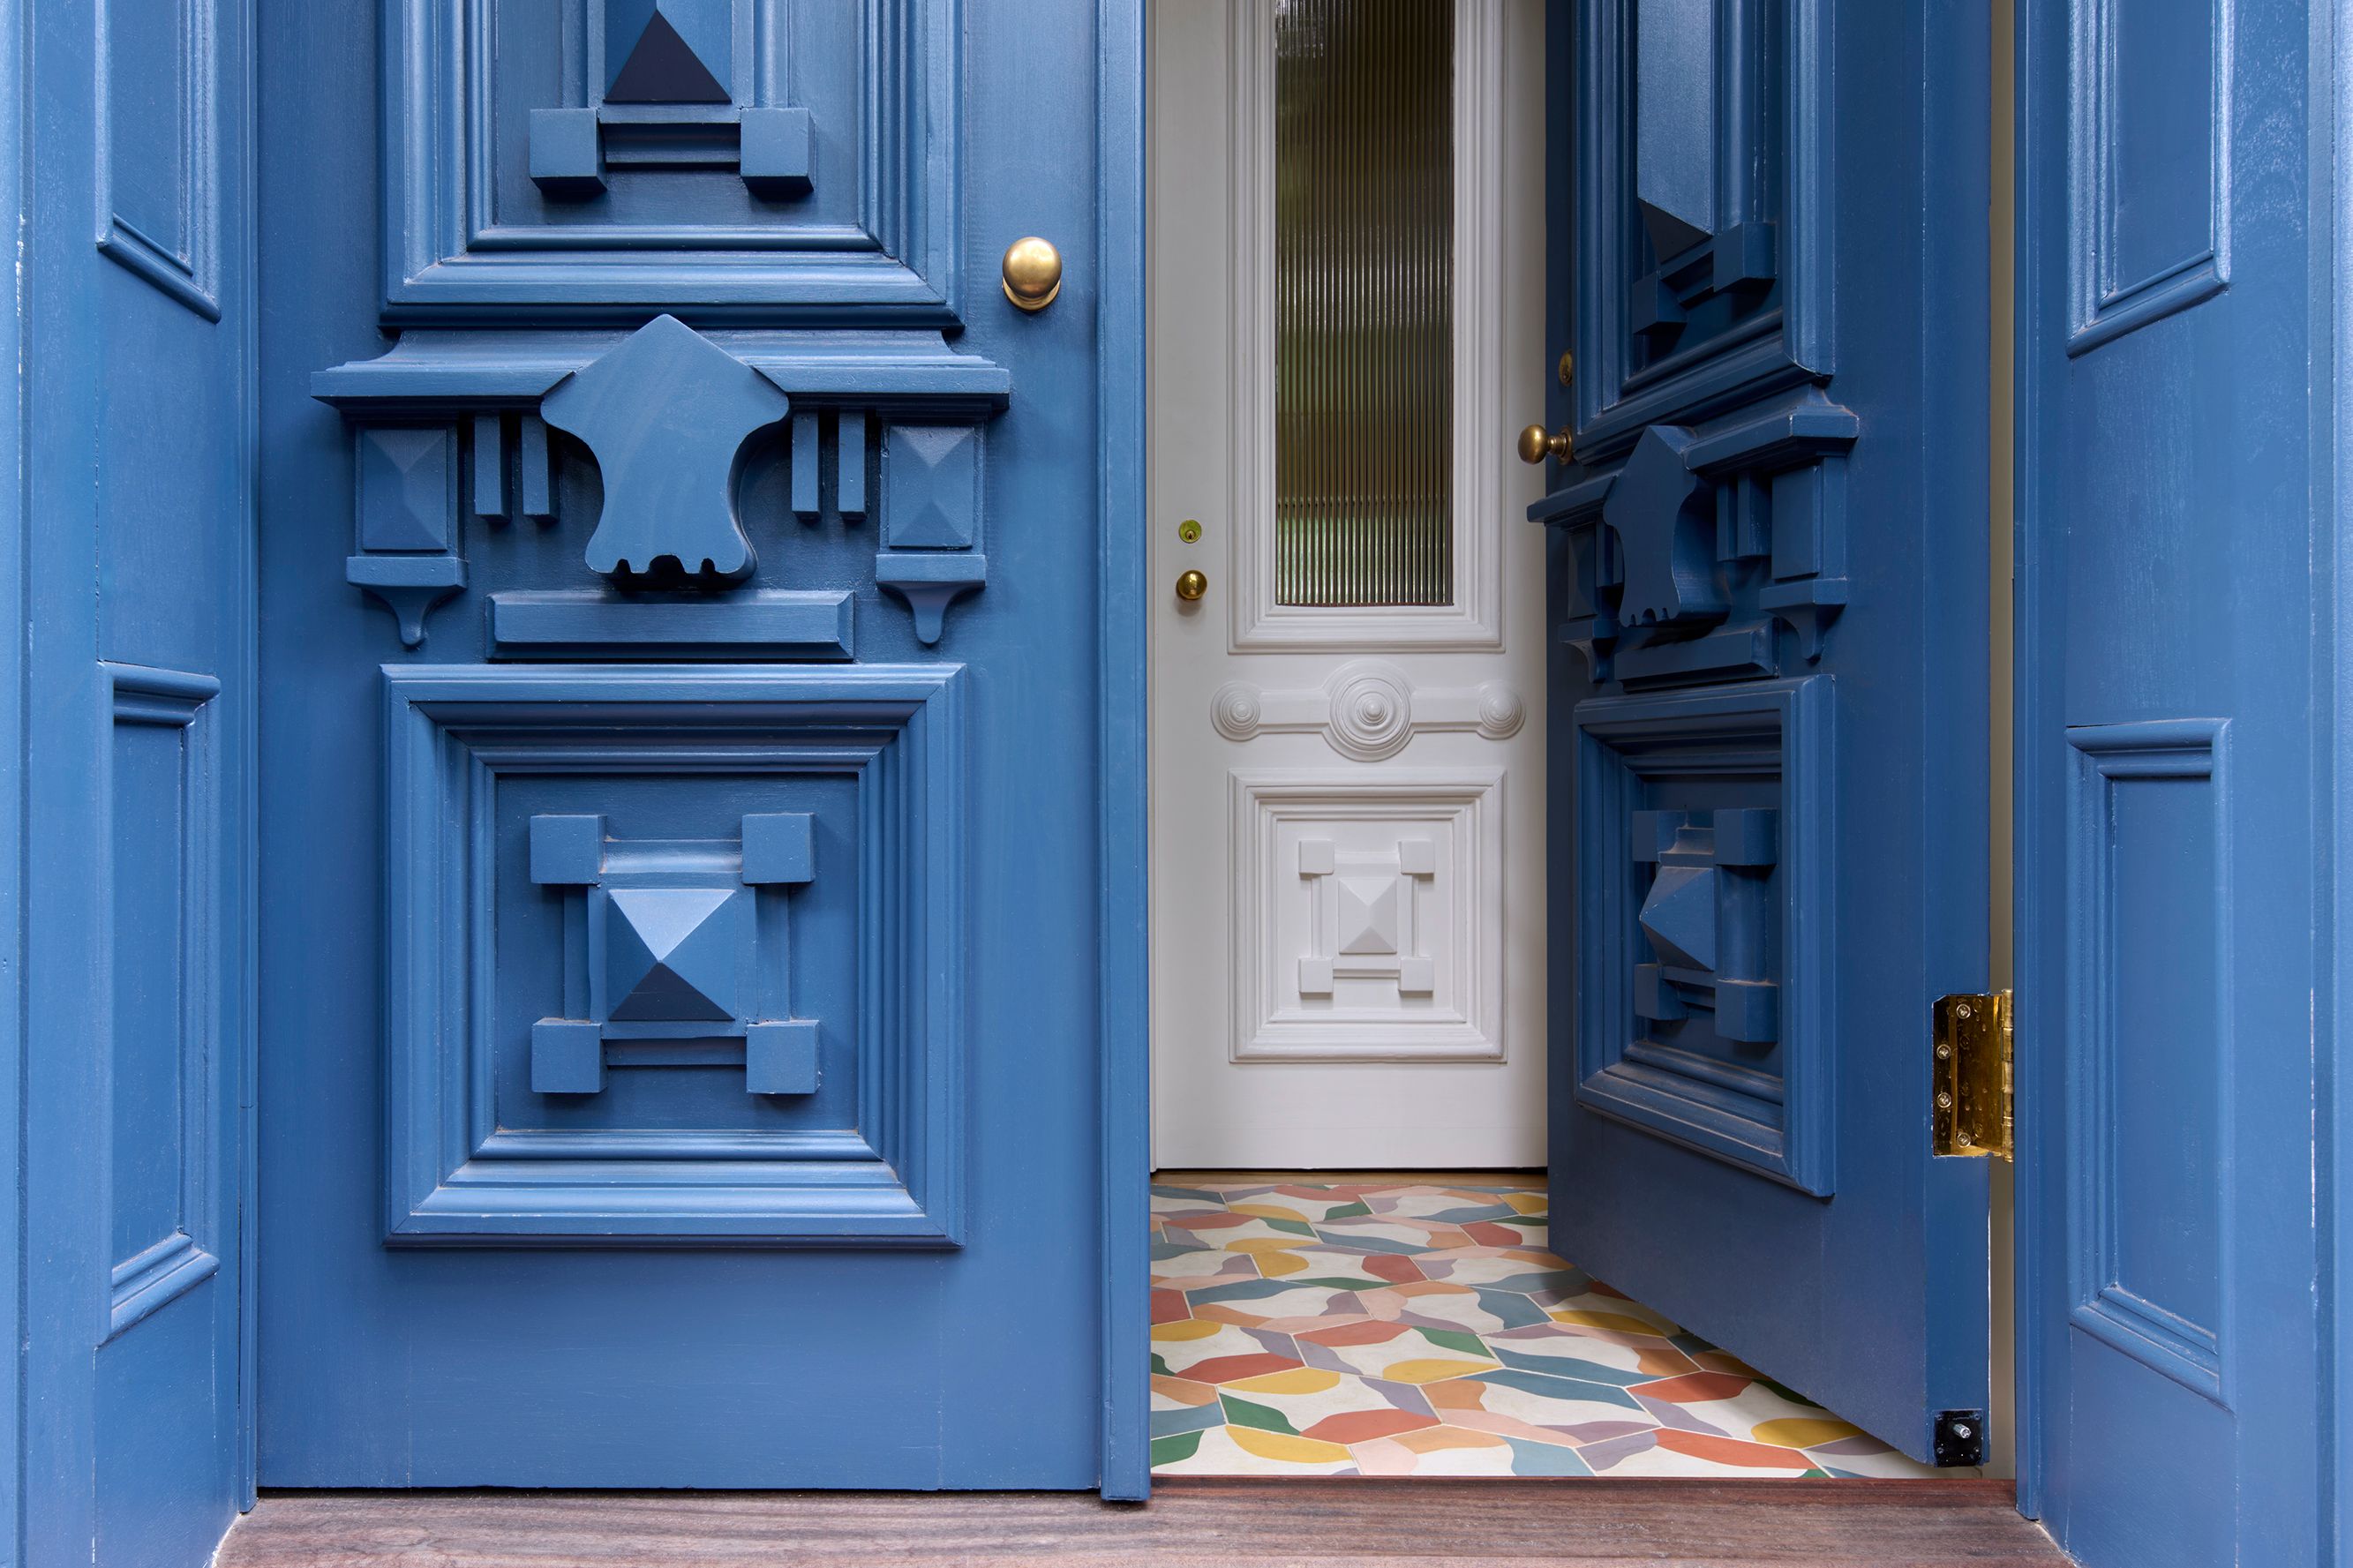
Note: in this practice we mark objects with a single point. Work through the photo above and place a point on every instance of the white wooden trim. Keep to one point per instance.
(1465, 807)
(1475, 620)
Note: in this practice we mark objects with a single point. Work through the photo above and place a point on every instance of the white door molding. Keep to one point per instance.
(1475, 620)
(1368, 711)
(1367, 914)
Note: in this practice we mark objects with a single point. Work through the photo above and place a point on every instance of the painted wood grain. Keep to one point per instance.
(1189, 1524)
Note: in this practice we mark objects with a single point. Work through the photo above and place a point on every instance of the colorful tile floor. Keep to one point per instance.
(1388, 1327)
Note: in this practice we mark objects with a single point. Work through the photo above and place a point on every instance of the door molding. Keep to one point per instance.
(1475, 620)
(1123, 950)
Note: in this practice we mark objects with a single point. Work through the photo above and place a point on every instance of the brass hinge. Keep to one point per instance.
(1970, 1076)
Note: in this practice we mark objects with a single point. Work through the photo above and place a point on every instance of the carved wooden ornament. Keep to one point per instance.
(666, 413)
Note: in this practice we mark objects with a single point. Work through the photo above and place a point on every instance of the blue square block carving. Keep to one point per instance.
(781, 1058)
(567, 1057)
(779, 847)
(775, 152)
(567, 850)
(567, 153)
(593, 991)
(1703, 840)
(931, 487)
(407, 477)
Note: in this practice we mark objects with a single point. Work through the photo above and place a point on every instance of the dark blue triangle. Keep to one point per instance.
(664, 68)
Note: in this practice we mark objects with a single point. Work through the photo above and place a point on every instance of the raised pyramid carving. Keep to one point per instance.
(667, 51)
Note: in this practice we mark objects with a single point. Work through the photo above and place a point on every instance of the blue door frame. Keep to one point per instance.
(34, 713)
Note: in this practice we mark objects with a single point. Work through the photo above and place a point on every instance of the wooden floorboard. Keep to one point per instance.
(1312, 1523)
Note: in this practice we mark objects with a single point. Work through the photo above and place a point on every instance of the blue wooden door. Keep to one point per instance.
(1768, 581)
(682, 863)
(2180, 811)
(132, 613)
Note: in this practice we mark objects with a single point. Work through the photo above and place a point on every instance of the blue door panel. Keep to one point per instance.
(2173, 306)
(138, 631)
(1768, 678)
(680, 893)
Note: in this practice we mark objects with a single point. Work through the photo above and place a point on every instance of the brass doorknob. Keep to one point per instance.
(1191, 585)
(1536, 444)
(1033, 273)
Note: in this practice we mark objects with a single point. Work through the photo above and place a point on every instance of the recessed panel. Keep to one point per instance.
(147, 1066)
(162, 1057)
(1702, 179)
(2149, 195)
(2153, 1049)
(1367, 915)
(769, 159)
(1701, 850)
(155, 137)
(675, 955)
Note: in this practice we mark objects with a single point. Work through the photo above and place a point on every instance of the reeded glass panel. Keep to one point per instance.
(1364, 261)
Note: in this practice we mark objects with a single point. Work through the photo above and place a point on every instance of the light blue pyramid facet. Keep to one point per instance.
(674, 954)
(1679, 916)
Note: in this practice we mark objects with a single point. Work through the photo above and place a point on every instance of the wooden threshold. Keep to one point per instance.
(1190, 1523)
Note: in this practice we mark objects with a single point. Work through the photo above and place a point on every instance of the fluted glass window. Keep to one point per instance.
(1364, 260)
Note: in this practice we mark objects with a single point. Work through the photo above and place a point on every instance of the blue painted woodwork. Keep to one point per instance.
(2182, 780)
(1123, 599)
(1700, 1008)
(408, 584)
(776, 152)
(929, 583)
(407, 484)
(933, 487)
(129, 724)
(1675, 111)
(668, 51)
(1767, 583)
(856, 379)
(760, 161)
(666, 413)
(552, 1192)
(765, 624)
(683, 909)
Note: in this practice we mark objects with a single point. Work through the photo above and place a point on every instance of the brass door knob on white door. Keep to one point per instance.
(1191, 583)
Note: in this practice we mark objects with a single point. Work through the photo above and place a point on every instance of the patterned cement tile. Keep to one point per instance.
(1400, 1328)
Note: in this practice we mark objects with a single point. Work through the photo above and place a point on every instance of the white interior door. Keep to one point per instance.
(1347, 790)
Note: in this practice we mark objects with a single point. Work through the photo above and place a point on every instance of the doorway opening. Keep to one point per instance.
(1352, 1271)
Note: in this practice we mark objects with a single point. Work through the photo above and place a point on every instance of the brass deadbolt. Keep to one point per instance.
(1536, 444)
(1189, 531)
(1033, 273)
(1567, 367)
(1191, 585)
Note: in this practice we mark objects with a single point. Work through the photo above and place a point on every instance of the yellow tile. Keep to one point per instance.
(1185, 1329)
(1299, 1380)
(1283, 1446)
(1616, 1321)
(1431, 1369)
(1802, 1432)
